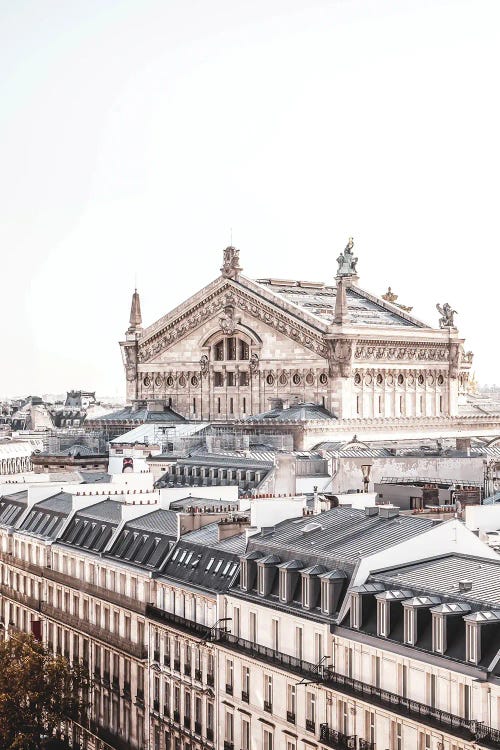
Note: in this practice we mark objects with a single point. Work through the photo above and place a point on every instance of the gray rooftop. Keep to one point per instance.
(441, 575)
(319, 300)
(61, 502)
(341, 535)
(106, 510)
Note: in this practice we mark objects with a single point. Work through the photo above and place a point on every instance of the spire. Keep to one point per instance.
(341, 310)
(135, 312)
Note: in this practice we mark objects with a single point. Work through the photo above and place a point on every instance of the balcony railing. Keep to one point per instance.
(177, 716)
(99, 592)
(210, 734)
(365, 745)
(268, 706)
(310, 725)
(210, 679)
(197, 727)
(181, 623)
(138, 650)
(335, 739)
(187, 670)
(244, 696)
(30, 567)
(290, 716)
(228, 745)
(420, 712)
(29, 601)
(198, 675)
(229, 689)
(177, 665)
(187, 722)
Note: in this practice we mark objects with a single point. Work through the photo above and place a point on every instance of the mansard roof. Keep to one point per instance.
(146, 540)
(318, 299)
(200, 560)
(341, 535)
(12, 507)
(442, 575)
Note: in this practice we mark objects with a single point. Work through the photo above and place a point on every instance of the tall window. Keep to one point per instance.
(230, 349)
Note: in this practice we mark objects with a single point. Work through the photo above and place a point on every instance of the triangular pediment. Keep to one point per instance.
(223, 300)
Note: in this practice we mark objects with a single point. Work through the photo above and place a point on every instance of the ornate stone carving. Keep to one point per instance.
(254, 363)
(447, 315)
(456, 351)
(414, 352)
(389, 296)
(176, 329)
(347, 261)
(130, 357)
(231, 263)
(340, 357)
(227, 322)
(204, 365)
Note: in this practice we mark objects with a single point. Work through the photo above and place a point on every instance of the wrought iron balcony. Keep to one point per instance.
(365, 745)
(228, 745)
(198, 675)
(177, 665)
(210, 679)
(187, 669)
(156, 705)
(458, 726)
(268, 706)
(229, 689)
(177, 716)
(337, 740)
(210, 733)
(244, 696)
(310, 725)
(290, 716)
(187, 722)
(156, 656)
(197, 727)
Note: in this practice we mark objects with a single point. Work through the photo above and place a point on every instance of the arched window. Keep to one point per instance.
(230, 349)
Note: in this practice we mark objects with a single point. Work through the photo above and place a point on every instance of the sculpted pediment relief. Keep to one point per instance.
(224, 305)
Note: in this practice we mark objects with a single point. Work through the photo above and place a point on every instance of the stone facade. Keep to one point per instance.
(236, 345)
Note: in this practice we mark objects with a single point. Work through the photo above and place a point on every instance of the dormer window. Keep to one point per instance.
(261, 579)
(472, 642)
(244, 575)
(305, 592)
(283, 585)
(383, 624)
(410, 625)
(355, 613)
(325, 599)
(438, 633)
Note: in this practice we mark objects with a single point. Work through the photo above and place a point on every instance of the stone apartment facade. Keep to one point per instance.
(332, 631)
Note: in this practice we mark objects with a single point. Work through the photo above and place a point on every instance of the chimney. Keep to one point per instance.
(276, 403)
(231, 527)
(371, 510)
(465, 584)
(388, 511)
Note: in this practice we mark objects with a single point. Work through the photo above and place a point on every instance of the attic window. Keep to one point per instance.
(217, 567)
(188, 558)
(210, 563)
(176, 553)
(226, 568)
(233, 569)
(181, 558)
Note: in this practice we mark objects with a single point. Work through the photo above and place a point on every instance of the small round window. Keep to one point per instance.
(440, 380)
(170, 381)
(296, 379)
(401, 379)
(420, 379)
(194, 381)
(323, 379)
(379, 379)
(270, 379)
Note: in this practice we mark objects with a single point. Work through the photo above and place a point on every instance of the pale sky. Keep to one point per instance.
(135, 134)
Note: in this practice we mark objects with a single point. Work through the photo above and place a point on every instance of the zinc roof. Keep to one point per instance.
(441, 575)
